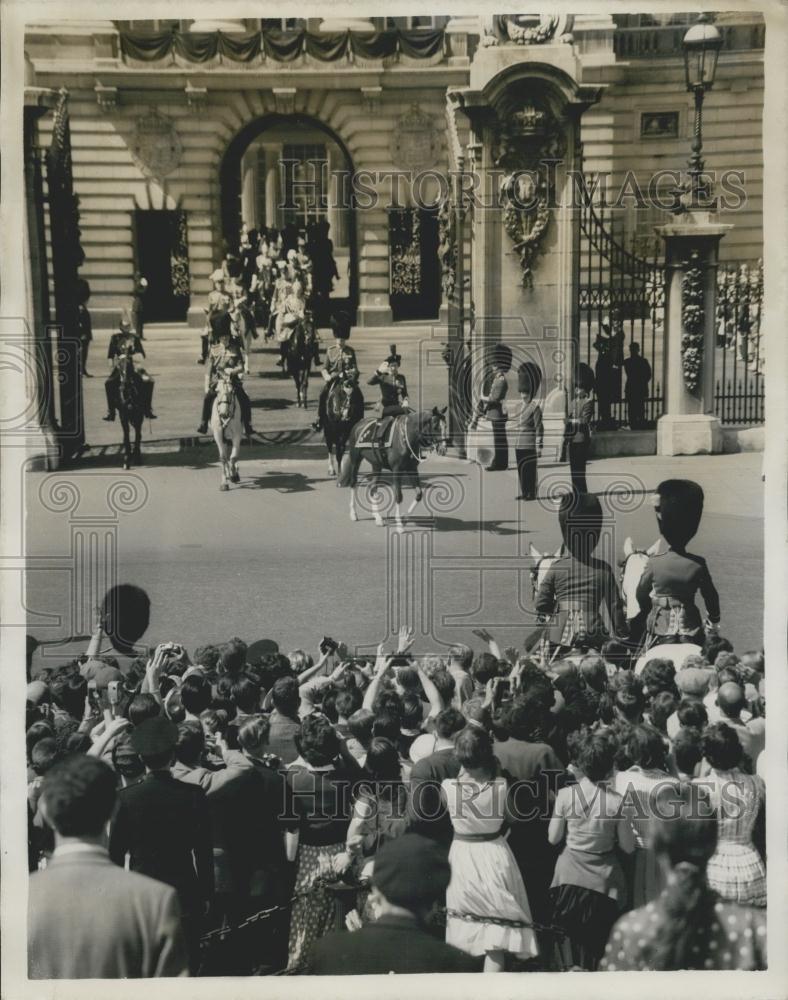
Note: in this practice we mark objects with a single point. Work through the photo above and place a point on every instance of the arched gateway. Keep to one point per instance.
(284, 169)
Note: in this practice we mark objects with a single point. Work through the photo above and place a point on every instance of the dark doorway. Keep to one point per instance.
(162, 259)
(414, 268)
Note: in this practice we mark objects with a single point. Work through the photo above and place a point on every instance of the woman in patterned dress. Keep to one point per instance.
(321, 784)
(687, 926)
(736, 870)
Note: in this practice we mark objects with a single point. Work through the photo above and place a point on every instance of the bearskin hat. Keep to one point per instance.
(679, 506)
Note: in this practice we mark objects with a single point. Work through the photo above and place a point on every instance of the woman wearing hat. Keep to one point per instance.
(577, 432)
(393, 387)
(528, 429)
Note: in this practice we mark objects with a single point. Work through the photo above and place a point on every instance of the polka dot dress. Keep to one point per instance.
(736, 939)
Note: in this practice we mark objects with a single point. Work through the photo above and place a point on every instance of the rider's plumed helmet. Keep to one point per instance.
(580, 520)
(221, 325)
(340, 324)
(679, 505)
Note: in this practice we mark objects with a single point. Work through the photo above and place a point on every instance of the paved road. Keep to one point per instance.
(279, 557)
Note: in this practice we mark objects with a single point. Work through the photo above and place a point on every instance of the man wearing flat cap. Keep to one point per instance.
(164, 826)
(411, 875)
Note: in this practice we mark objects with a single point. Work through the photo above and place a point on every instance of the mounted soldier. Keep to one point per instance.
(219, 301)
(227, 358)
(672, 578)
(393, 391)
(122, 345)
(340, 364)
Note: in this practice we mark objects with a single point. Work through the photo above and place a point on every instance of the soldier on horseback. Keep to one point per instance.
(672, 578)
(125, 344)
(226, 358)
(393, 391)
(219, 301)
(340, 365)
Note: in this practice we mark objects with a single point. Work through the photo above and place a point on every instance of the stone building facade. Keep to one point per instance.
(171, 151)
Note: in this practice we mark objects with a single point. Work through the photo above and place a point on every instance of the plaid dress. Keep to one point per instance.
(736, 870)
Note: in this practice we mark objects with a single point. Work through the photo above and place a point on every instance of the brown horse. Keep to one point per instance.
(131, 409)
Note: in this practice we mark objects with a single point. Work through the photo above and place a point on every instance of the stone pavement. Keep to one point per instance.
(279, 557)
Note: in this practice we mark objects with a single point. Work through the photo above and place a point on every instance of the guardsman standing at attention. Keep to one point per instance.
(491, 405)
(340, 363)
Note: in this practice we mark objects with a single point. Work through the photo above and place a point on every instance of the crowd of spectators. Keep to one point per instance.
(407, 811)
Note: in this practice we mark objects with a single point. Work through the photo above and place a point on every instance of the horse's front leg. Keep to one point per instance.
(376, 497)
(418, 489)
(234, 455)
(126, 446)
(397, 484)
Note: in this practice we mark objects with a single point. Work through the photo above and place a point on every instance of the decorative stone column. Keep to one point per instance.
(249, 188)
(688, 425)
(272, 198)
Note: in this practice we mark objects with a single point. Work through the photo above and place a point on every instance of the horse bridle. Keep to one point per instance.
(623, 562)
(444, 439)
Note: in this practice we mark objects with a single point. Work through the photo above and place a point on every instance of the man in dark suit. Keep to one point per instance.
(638, 372)
(87, 918)
(164, 825)
(411, 874)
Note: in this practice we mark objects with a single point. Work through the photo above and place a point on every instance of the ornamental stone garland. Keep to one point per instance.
(692, 321)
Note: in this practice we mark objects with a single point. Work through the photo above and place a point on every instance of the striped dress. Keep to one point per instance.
(736, 870)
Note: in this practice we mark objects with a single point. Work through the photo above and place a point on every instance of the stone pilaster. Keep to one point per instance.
(688, 425)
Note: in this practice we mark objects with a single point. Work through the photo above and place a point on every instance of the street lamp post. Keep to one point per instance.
(701, 45)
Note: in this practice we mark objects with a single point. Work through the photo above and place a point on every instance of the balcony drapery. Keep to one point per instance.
(282, 46)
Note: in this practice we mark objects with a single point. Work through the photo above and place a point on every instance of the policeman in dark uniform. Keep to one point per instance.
(340, 363)
(491, 405)
(577, 584)
(226, 356)
(121, 344)
(671, 579)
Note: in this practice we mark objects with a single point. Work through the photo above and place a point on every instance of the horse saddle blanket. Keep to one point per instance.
(377, 435)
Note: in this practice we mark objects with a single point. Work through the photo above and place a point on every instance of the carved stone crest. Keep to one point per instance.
(415, 143)
(525, 146)
(155, 144)
(526, 29)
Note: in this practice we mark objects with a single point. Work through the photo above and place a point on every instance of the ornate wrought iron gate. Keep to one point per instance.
(739, 361)
(625, 292)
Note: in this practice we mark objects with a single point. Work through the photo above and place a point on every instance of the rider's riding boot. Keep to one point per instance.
(202, 429)
(316, 425)
(151, 415)
(248, 430)
(109, 416)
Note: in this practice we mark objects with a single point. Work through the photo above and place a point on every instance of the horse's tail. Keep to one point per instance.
(345, 477)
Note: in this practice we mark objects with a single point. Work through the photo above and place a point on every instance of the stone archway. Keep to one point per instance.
(258, 178)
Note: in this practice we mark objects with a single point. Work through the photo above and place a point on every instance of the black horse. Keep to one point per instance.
(411, 435)
(344, 409)
(299, 356)
(131, 408)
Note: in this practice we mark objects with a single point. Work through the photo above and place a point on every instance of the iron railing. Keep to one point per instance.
(627, 292)
(739, 355)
